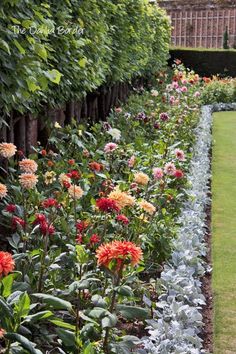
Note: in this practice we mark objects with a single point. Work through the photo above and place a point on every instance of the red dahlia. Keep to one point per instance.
(107, 205)
(179, 174)
(11, 208)
(123, 219)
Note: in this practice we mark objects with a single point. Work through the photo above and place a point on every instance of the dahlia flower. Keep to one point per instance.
(7, 150)
(17, 221)
(141, 178)
(157, 173)
(3, 191)
(122, 199)
(122, 218)
(28, 166)
(64, 178)
(28, 180)
(164, 116)
(49, 177)
(107, 205)
(131, 161)
(120, 252)
(179, 154)
(76, 192)
(10, 208)
(148, 207)
(82, 225)
(115, 133)
(179, 174)
(7, 263)
(94, 239)
(95, 166)
(170, 169)
(110, 147)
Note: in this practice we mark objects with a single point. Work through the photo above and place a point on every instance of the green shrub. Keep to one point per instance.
(217, 91)
(117, 41)
(207, 62)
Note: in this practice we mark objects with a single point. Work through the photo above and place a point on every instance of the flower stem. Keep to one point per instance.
(111, 308)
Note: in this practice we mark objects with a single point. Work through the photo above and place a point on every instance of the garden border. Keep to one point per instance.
(179, 321)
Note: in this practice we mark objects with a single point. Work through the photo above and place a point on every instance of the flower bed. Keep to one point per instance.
(92, 217)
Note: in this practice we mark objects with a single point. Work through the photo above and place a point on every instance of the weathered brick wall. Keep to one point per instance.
(202, 23)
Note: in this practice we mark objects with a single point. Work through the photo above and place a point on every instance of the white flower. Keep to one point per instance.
(57, 125)
(115, 133)
(154, 93)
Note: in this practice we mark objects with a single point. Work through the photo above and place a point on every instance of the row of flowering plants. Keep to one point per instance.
(88, 222)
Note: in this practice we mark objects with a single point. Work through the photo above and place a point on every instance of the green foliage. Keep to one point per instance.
(56, 51)
(219, 91)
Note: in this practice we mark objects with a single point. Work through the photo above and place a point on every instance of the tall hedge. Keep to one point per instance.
(112, 41)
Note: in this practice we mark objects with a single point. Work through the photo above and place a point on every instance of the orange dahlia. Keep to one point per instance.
(3, 191)
(122, 199)
(148, 207)
(119, 252)
(28, 180)
(7, 150)
(7, 263)
(141, 178)
(28, 165)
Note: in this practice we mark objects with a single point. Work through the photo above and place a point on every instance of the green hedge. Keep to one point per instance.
(207, 62)
(112, 41)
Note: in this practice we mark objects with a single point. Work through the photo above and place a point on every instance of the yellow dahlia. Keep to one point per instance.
(3, 190)
(122, 199)
(148, 207)
(28, 180)
(7, 150)
(141, 178)
(28, 166)
(75, 191)
(64, 178)
(49, 177)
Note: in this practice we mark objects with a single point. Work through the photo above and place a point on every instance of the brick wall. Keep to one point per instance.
(202, 23)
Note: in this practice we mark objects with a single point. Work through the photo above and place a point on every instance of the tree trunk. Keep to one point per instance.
(70, 112)
(20, 134)
(31, 133)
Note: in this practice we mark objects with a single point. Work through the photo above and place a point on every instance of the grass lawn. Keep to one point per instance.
(224, 231)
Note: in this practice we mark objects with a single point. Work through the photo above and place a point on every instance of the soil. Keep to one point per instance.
(207, 311)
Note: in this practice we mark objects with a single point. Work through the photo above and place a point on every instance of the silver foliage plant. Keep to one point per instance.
(177, 324)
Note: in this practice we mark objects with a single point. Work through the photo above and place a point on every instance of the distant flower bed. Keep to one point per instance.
(90, 220)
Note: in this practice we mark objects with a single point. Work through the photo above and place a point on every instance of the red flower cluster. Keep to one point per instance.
(66, 184)
(95, 166)
(94, 239)
(123, 219)
(179, 174)
(120, 252)
(74, 175)
(71, 162)
(11, 208)
(16, 221)
(43, 152)
(7, 263)
(49, 203)
(79, 238)
(45, 227)
(107, 205)
(82, 225)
